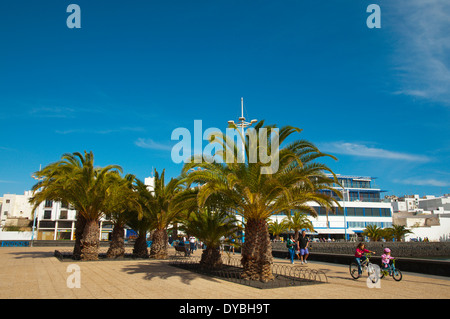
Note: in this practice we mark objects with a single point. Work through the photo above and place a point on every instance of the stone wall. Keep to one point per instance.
(399, 249)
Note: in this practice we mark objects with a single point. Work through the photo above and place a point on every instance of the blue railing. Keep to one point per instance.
(15, 243)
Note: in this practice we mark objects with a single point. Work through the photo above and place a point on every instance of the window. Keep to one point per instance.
(47, 214)
(8, 201)
(356, 224)
(372, 211)
(48, 203)
(350, 211)
(359, 211)
(63, 214)
(65, 205)
(385, 212)
(65, 224)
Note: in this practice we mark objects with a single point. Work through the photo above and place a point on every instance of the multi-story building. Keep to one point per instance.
(427, 217)
(15, 210)
(361, 206)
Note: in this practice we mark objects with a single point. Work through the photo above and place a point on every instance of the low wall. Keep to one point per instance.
(15, 235)
(408, 254)
(399, 249)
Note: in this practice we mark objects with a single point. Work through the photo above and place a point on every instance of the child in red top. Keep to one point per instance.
(359, 255)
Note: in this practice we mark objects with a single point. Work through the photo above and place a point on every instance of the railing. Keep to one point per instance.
(231, 270)
(15, 243)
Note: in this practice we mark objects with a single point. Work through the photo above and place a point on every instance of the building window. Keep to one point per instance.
(356, 224)
(385, 212)
(350, 211)
(8, 201)
(47, 214)
(64, 204)
(48, 203)
(63, 214)
(359, 211)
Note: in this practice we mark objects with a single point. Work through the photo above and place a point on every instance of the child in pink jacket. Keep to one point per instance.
(386, 259)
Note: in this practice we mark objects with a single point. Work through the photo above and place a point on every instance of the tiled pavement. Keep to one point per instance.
(33, 272)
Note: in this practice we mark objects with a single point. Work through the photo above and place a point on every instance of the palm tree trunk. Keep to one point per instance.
(117, 245)
(257, 257)
(140, 249)
(158, 249)
(79, 229)
(211, 258)
(90, 241)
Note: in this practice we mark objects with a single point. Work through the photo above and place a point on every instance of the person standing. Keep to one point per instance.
(290, 244)
(303, 243)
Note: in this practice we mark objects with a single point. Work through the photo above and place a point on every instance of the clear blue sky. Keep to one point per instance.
(378, 99)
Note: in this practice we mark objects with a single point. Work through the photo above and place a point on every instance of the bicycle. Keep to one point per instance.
(366, 265)
(392, 271)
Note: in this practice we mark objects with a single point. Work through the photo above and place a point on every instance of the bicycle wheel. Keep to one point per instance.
(354, 270)
(397, 275)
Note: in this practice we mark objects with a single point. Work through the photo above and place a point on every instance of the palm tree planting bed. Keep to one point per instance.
(67, 256)
(231, 270)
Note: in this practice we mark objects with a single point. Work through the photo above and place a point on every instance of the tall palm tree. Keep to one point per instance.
(123, 198)
(210, 226)
(160, 201)
(256, 194)
(298, 221)
(75, 180)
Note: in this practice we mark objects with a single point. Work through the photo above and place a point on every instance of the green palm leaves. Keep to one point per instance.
(256, 195)
(75, 180)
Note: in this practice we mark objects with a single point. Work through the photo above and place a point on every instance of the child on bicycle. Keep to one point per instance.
(386, 260)
(359, 255)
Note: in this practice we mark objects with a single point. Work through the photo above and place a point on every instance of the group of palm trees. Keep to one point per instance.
(203, 201)
(375, 233)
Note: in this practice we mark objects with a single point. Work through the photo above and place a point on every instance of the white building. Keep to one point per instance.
(15, 208)
(361, 206)
(427, 217)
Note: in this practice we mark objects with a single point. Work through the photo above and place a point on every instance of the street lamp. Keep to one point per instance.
(345, 211)
(35, 217)
(242, 124)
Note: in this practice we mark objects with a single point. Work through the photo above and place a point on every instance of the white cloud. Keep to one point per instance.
(423, 182)
(151, 144)
(366, 151)
(422, 48)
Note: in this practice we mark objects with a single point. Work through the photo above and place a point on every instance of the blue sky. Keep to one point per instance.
(378, 99)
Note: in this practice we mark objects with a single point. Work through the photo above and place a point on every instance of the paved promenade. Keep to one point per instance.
(33, 272)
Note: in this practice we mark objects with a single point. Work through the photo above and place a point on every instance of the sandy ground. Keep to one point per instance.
(33, 272)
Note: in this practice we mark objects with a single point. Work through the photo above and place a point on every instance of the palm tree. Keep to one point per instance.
(373, 232)
(256, 194)
(210, 226)
(276, 228)
(75, 180)
(399, 232)
(163, 207)
(297, 222)
(123, 198)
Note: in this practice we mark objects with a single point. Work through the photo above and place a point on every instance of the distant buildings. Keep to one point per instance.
(427, 217)
(362, 205)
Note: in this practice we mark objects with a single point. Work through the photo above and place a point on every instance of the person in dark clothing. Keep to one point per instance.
(303, 243)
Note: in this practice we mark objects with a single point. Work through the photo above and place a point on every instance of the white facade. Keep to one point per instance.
(427, 217)
(362, 207)
(15, 207)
